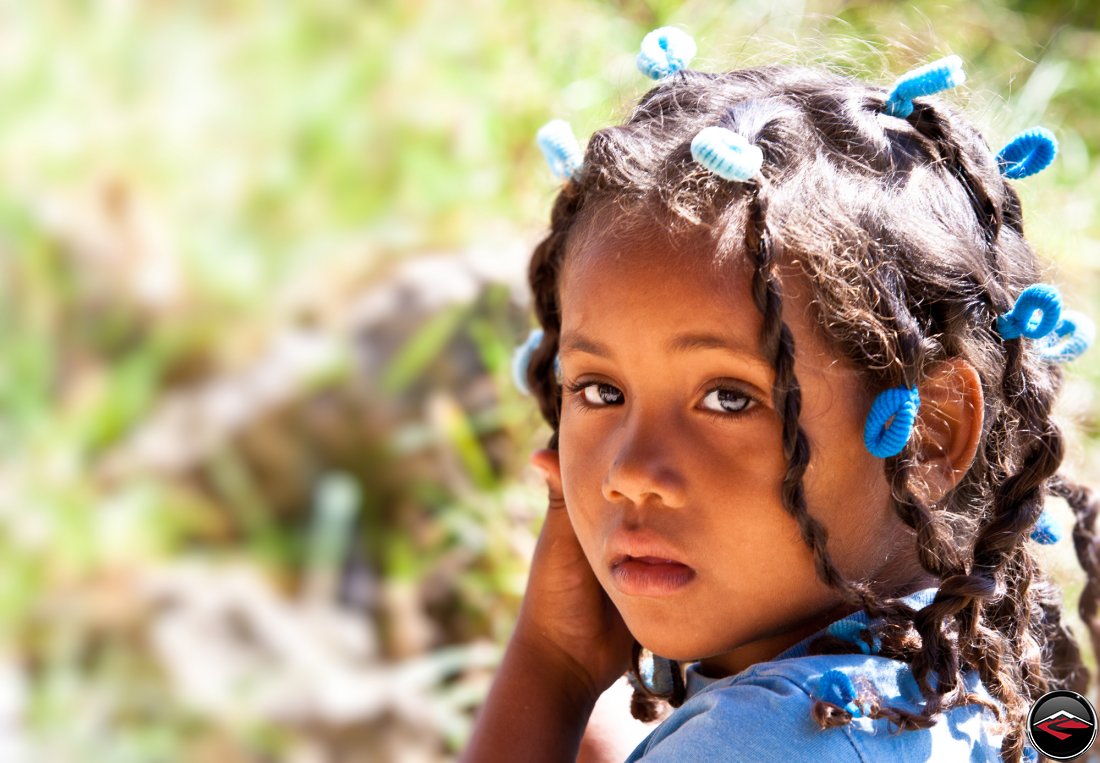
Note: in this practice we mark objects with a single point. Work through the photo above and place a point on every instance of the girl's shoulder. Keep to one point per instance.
(763, 714)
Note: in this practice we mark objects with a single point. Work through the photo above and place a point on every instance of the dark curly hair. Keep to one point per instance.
(913, 244)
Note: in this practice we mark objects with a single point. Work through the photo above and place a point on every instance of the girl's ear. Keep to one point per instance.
(949, 425)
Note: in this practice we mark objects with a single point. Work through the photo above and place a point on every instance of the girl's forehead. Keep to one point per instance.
(598, 253)
(642, 290)
(649, 288)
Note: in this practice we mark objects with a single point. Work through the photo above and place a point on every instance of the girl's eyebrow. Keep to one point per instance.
(679, 344)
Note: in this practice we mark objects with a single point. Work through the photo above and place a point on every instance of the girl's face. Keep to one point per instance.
(670, 448)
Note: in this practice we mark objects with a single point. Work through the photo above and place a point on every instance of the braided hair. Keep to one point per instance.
(912, 243)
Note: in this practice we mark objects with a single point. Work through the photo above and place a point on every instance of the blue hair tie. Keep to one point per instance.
(1047, 531)
(852, 630)
(836, 687)
(665, 51)
(726, 153)
(560, 148)
(1021, 321)
(925, 80)
(521, 359)
(898, 405)
(1071, 337)
(1029, 152)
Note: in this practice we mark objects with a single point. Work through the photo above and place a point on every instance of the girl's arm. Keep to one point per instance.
(569, 645)
(536, 711)
(610, 733)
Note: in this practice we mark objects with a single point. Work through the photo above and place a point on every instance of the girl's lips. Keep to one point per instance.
(649, 575)
(644, 549)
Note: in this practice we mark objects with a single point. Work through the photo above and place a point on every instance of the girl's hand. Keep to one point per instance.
(566, 616)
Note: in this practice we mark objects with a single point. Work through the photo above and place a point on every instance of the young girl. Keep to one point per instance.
(799, 369)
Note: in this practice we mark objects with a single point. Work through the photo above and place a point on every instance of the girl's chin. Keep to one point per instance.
(670, 649)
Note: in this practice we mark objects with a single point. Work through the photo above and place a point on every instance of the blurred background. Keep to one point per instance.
(263, 484)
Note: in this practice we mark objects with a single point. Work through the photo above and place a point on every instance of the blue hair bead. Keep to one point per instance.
(835, 686)
(1029, 152)
(925, 80)
(665, 51)
(1021, 320)
(1073, 335)
(657, 674)
(1047, 531)
(560, 148)
(852, 630)
(727, 154)
(898, 406)
(521, 359)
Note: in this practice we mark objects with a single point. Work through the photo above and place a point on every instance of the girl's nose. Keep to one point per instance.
(644, 470)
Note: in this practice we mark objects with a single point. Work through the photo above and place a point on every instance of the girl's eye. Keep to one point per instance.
(598, 394)
(720, 400)
(728, 400)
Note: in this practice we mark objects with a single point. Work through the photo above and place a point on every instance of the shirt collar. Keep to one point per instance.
(695, 681)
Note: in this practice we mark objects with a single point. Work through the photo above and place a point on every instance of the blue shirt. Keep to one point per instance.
(763, 714)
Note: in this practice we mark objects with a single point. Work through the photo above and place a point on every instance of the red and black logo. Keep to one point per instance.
(1062, 725)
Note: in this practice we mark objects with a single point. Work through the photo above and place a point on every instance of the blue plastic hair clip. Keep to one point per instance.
(560, 148)
(665, 51)
(521, 359)
(852, 630)
(898, 406)
(1047, 531)
(925, 80)
(835, 686)
(1029, 152)
(1021, 320)
(726, 153)
(1073, 335)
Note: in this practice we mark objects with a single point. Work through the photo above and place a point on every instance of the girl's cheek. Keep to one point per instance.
(577, 434)
(580, 475)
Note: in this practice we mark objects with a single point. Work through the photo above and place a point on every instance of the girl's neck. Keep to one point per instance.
(764, 649)
(767, 648)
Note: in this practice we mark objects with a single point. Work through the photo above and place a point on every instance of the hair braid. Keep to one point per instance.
(1087, 545)
(542, 275)
(1016, 506)
(778, 345)
(1062, 651)
(938, 655)
(952, 137)
(996, 633)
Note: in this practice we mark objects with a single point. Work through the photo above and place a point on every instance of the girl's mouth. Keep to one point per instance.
(650, 575)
